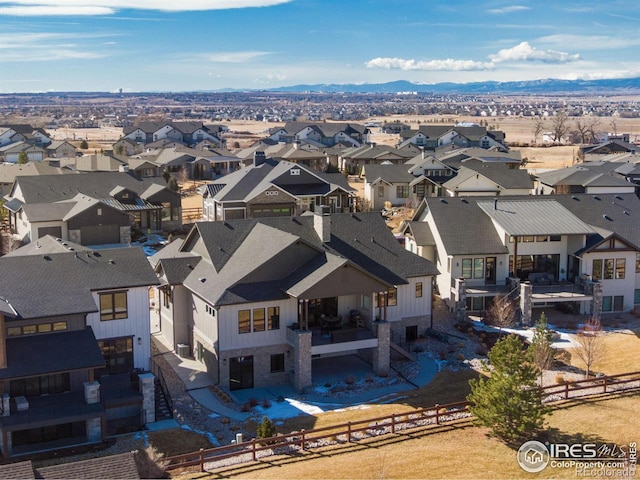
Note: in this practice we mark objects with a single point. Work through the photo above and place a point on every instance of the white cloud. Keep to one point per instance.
(233, 57)
(410, 64)
(508, 9)
(527, 53)
(42, 10)
(108, 7)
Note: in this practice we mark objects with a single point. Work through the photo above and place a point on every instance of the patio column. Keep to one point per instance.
(382, 353)
(302, 360)
(147, 389)
(461, 301)
(380, 298)
(596, 302)
(526, 292)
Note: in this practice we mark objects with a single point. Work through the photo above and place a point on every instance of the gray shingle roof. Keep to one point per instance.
(388, 173)
(121, 467)
(46, 245)
(585, 174)
(61, 283)
(53, 188)
(17, 471)
(51, 353)
(506, 178)
(237, 251)
(463, 226)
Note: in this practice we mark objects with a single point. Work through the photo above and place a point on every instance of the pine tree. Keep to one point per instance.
(266, 429)
(541, 350)
(23, 158)
(509, 402)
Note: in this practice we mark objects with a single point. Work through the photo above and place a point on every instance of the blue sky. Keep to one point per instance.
(181, 45)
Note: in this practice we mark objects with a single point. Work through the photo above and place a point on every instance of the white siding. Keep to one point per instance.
(136, 325)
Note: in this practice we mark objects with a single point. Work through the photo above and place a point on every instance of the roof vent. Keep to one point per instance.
(112, 262)
(202, 279)
(573, 197)
(595, 197)
(46, 257)
(442, 200)
(464, 200)
(626, 213)
(189, 266)
(618, 197)
(607, 217)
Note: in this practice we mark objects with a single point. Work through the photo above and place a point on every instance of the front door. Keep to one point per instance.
(490, 271)
(240, 373)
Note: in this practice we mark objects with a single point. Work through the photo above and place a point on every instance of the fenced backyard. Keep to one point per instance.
(346, 433)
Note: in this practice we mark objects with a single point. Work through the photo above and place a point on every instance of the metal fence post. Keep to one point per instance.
(437, 414)
(202, 460)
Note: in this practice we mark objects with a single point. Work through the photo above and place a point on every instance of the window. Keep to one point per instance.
(637, 262)
(596, 269)
(542, 238)
(478, 268)
(166, 297)
(608, 269)
(258, 320)
(166, 211)
(113, 306)
(528, 238)
(636, 296)
(620, 268)
(381, 191)
(402, 191)
(37, 328)
(419, 290)
(466, 267)
(393, 297)
(43, 385)
(555, 238)
(29, 329)
(118, 355)
(244, 321)
(449, 264)
(277, 363)
(273, 314)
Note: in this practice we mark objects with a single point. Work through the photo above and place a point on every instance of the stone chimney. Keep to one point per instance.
(259, 158)
(322, 222)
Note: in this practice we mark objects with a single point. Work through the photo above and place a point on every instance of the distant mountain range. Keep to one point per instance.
(544, 86)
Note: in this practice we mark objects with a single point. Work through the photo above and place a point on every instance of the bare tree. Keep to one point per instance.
(582, 128)
(502, 312)
(560, 125)
(614, 127)
(538, 128)
(543, 352)
(590, 344)
(593, 124)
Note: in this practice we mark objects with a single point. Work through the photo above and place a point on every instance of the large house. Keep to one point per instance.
(321, 134)
(388, 183)
(432, 137)
(269, 188)
(257, 300)
(352, 159)
(581, 250)
(187, 133)
(588, 177)
(91, 208)
(74, 323)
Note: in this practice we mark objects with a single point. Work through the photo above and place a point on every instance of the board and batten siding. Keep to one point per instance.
(136, 325)
(230, 339)
(408, 305)
(205, 325)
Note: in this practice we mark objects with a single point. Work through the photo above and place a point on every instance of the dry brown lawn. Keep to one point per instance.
(458, 450)
(620, 353)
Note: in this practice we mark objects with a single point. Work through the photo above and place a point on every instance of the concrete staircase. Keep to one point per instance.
(163, 410)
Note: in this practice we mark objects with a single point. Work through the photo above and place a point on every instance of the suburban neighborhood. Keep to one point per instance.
(177, 282)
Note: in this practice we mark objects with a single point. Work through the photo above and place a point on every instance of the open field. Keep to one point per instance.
(518, 130)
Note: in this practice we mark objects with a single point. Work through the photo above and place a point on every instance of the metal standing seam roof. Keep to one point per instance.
(539, 216)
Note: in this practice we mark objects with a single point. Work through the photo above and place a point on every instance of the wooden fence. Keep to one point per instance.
(192, 213)
(424, 418)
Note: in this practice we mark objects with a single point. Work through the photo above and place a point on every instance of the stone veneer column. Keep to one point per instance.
(461, 301)
(382, 353)
(6, 406)
(302, 360)
(148, 391)
(596, 302)
(526, 291)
